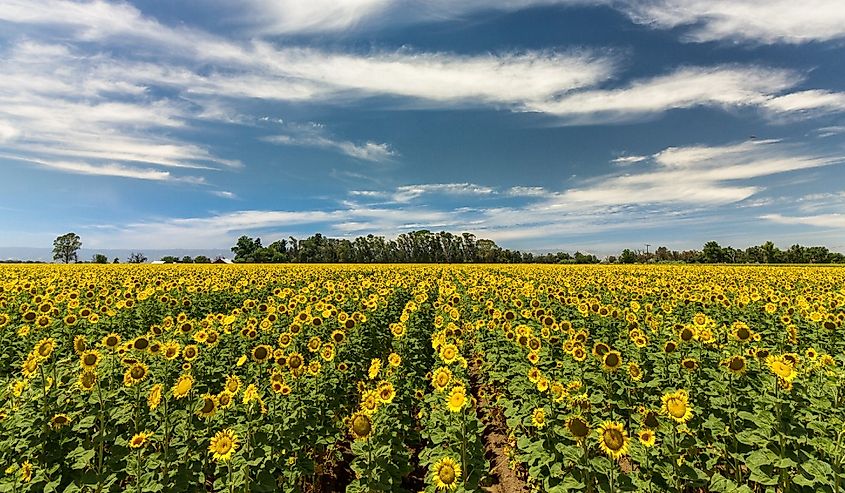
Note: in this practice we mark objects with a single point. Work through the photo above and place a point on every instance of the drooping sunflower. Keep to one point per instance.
(223, 444)
(208, 406)
(457, 399)
(154, 397)
(613, 439)
(676, 406)
(59, 421)
(647, 437)
(140, 439)
(80, 343)
(635, 372)
(578, 427)
(538, 418)
(446, 473)
(360, 426)
(183, 386)
(26, 471)
(369, 402)
(87, 381)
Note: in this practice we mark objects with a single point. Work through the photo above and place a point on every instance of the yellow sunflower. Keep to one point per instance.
(611, 361)
(538, 418)
(360, 426)
(154, 397)
(223, 444)
(457, 399)
(59, 421)
(647, 437)
(183, 386)
(140, 440)
(208, 406)
(613, 439)
(447, 473)
(782, 367)
(676, 406)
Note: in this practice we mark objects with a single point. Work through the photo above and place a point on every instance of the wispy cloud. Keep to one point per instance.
(625, 160)
(836, 221)
(316, 135)
(224, 194)
(775, 21)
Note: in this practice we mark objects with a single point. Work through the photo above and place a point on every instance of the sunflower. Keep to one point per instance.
(741, 332)
(135, 374)
(59, 421)
(360, 426)
(736, 364)
(613, 439)
(394, 360)
(208, 407)
(26, 471)
(154, 397)
(689, 364)
(782, 367)
(386, 392)
(183, 386)
(89, 359)
(600, 349)
(447, 473)
(448, 353)
(44, 348)
(611, 361)
(261, 353)
(457, 399)
(140, 439)
(170, 350)
(233, 384)
(538, 418)
(225, 399)
(635, 372)
(579, 353)
(80, 343)
(223, 444)
(295, 361)
(87, 380)
(578, 427)
(676, 406)
(190, 352)
(647, 437)
(650, 419)
(369, 402)
(141, 343)
(111, 341)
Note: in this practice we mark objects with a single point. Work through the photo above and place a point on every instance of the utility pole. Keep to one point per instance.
(646, 248)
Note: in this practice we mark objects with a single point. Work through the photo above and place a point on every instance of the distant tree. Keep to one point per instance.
(628, 256)
(202, 259)
(65, 247)
(116, 260)
(245, 248)
(136, 258)
(712, 252)
(187, 260)
(99, 258)
(168, 259)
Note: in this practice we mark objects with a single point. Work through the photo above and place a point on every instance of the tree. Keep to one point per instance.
(187, 260)
(712, 252)
(136, 258)
(99, 258)
(169, 259)
(202, 259)
(628, 256)
(116, 260)
(66, 246)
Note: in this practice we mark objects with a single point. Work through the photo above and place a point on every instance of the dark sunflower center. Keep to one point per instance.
(447, 474)
(612, 360)
(613, 439)
(579, 428)
(736, 364)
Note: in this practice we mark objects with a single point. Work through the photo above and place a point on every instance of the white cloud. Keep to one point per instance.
(408, 193)
(822, 220)
(720, 86)
(625, 160)
(108, 169)
(521, 191)
(773, 21)
(367, 151)
(224, 194)
(807, 101)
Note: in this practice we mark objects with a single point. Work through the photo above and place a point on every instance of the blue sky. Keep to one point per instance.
(590, 125)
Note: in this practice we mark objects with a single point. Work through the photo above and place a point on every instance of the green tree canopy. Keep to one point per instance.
(66, 246)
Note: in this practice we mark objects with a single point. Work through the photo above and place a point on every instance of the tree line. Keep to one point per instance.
(713, 253)
(413, 247)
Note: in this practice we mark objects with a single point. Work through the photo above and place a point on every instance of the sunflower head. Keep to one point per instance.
(446, 473)
(613, 439)
(223, 444)
(208, 406)
(538, 418)
(183, 386)
(140, 440)
(361, 426)
(457, 399)
(578, 427)
(59, 421)
(611, 361)
(647, 437)
(676, 406)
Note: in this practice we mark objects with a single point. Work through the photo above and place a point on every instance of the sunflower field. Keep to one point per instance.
(307, 378)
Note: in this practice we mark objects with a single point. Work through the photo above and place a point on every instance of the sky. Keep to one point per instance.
(591, 125)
